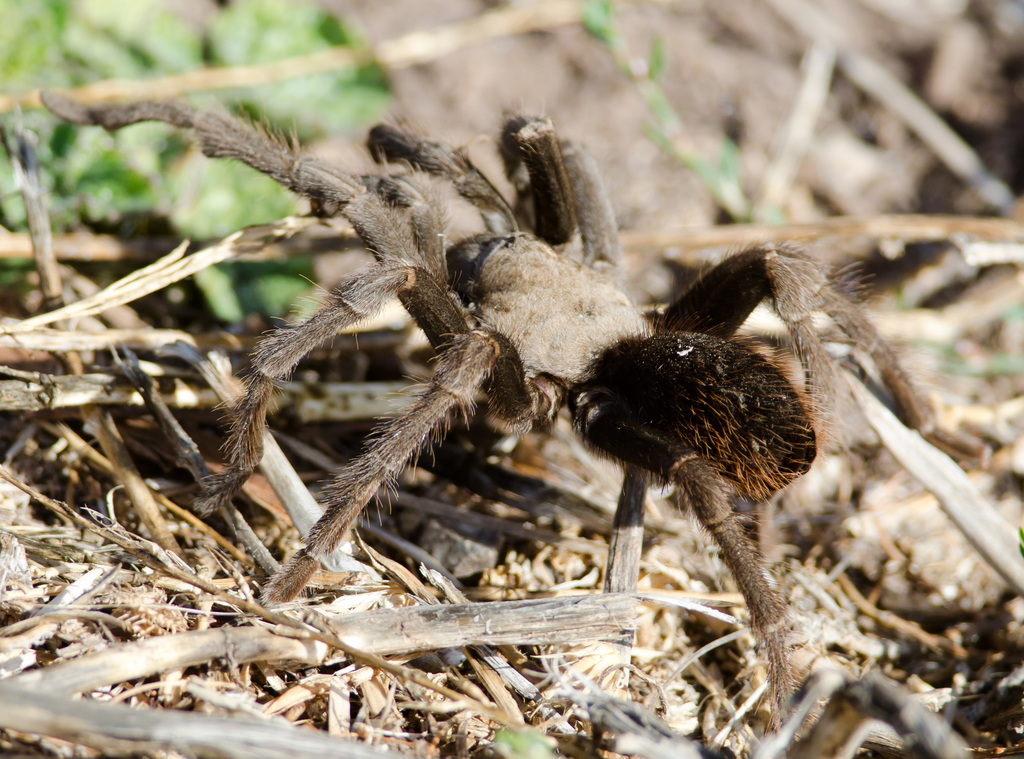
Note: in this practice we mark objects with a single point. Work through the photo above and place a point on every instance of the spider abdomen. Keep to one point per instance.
(733, 406)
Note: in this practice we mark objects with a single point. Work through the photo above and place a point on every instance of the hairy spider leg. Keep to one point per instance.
(388, 142)
(795, 286)
(568, 172)
(222, 137)
(600, 420)
(562, 178)
(534, 142)
(461, 370)
(594, 213)
(356, 299)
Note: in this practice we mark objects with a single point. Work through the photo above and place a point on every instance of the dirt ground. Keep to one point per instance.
(880, 580)
(732, 68)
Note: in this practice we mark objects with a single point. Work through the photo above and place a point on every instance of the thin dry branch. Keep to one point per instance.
(60, 340)
(898, 623)
(90, 247)
(563, 621)
(25, 163)
(905, 228)
(127, 474)
(172, 268)
(114, 729)
(166, 653)
(794, 138)
(82, 246)
(340, 401)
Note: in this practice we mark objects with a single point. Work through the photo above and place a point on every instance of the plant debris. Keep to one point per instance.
(467, 617)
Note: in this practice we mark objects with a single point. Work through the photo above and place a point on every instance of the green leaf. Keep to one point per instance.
(30, 42)
(1014, 314)
(730, 192)
(149, 176)
(730, 166)
(218, 289)
(665, 115)
(268, 288)
(599, 20)
(265, 31)
(113, 188)
(100, 177)
(16, 276)
(224, 196)
(523, 744)
(138, 39)
(658, 59)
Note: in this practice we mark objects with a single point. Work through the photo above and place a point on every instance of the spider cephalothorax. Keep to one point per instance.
(538, 321)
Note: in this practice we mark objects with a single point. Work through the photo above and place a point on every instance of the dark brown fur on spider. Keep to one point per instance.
(538, 321)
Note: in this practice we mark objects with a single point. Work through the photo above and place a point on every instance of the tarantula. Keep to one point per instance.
(537, 321)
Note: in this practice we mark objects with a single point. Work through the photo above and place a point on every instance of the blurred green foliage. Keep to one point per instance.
(523, 744)
(723, 177)
(149, 179)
